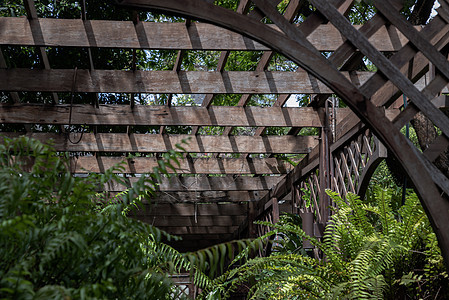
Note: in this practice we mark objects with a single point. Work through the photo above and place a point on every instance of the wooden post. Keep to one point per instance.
(251, 218)
(324, 168)
(294, 193)
(307, 226)
(275, 210)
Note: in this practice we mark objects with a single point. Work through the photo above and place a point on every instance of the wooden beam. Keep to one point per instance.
(214, 238)
(200, 230)
(161, 115)
(147, 143)
(210, 165)
(201, 242)
(203, 209)
(191, 221)
(170, 36)
(207, 196)
(160, 82)
(204, 183)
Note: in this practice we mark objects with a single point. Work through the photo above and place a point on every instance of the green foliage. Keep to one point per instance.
(59, 238)
(370, 252)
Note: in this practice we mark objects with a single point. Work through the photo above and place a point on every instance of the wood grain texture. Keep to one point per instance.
(183, 82)
(204, 183)
(49, 32)
(206, 196)
(205, 209)
(161, 115)
(200, 221)
(122, 142)
(200, 230)
(88, 164)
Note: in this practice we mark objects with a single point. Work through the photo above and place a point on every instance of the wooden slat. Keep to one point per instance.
(191, 221)
(208, 196)
(214, 238)
(182, 82)
(122, 142)
(174, 36)
(420, 42)
(210, 209)
(88, 164)
(161, 115)
(200, 230)
(388, 68)
(203, 183)
(202, 242)
(440, 144)
(410, 62)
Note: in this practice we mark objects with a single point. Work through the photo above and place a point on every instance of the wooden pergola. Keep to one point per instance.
(228, 181)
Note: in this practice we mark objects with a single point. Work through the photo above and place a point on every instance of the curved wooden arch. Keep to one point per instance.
(293, 44)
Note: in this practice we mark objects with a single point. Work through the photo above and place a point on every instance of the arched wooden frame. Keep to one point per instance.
(292, 43)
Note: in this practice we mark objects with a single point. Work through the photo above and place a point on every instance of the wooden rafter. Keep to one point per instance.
(160, 82)
(205, 183)
(122, 142)
(161, 115)
(189, 165)
(167, 36)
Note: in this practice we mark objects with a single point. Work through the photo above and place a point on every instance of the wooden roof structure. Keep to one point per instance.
(229, 180)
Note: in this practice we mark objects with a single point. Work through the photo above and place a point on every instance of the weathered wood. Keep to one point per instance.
(206, 196)
(410, 62)
(204, 183)
(161, 115)
(388, 68)
(304, 54)
(440, 144)
(41, 51)
(173, 36)
(311, 161)
(199, 221)
(122, 142)
(209, 196)
(86, 114)
(183, 82)
(98, 164)
(264, 61)
(204, 209)
(202, 242)
(438, 59)
(200, 230)
(214, 238)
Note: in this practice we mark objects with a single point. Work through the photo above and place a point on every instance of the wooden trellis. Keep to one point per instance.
(207, 209)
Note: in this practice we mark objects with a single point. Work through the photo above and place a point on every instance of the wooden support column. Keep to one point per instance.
(307, 226)
(252, 232)
(294, 191)
(324, 168)
(275, 210)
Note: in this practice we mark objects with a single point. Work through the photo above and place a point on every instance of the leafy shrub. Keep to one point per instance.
(60, 239)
